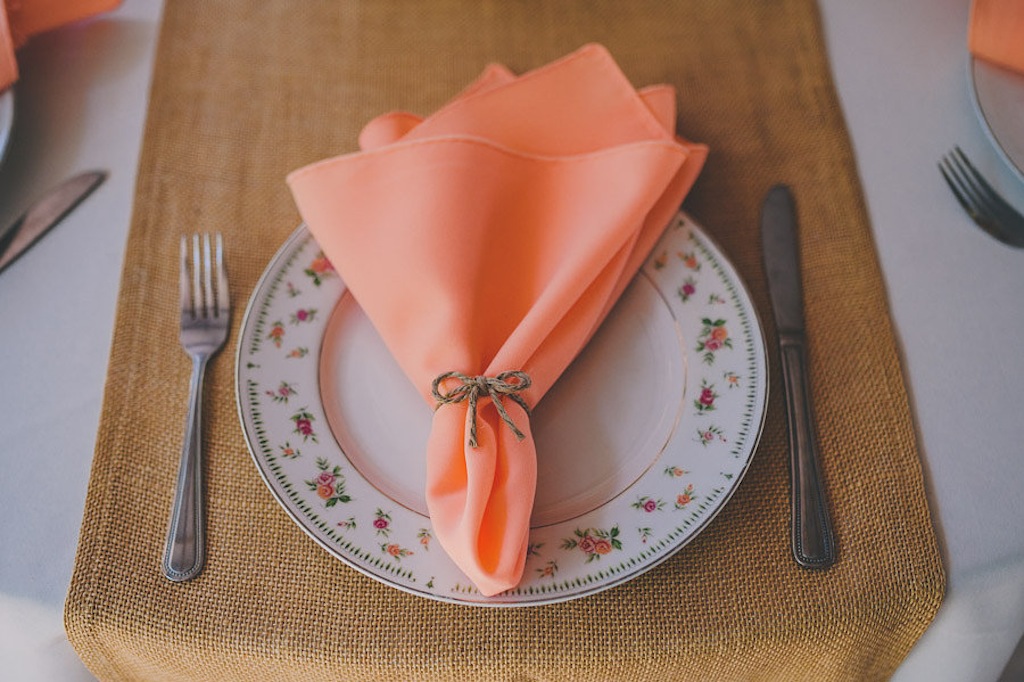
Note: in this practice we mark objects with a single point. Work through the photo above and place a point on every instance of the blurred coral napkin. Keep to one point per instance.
(996, 32)
(486, 243)
(22, 19)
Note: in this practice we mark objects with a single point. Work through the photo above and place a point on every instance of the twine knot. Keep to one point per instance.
(506, 384)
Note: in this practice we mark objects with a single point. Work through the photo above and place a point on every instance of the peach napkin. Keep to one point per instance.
(22, 19)
(486, 243)
(996, 32)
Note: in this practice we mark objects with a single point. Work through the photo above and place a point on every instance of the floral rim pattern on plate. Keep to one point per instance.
(667, 506)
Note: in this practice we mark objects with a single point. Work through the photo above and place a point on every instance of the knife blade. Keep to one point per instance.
(43, 215)
(812, 538)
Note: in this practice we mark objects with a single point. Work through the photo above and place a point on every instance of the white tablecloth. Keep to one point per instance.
(956, 297)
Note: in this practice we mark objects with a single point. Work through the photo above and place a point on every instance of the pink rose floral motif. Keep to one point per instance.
(329, 484)
(382, 522)
(282, 393)
(292, 290)
(594, 542)
(713, 337)
(304, 425)
(648, 504)
(645, 534)
(715, 299)
(320, 269)
(348, 524)
(303, 315)
(675, 471)
(705, 402)
(686, 497)
(688, 289)
(395, 550)
(710, 434)
(299, 352)
(276, 334)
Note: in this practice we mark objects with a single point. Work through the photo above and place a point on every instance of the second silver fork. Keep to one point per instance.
(205, 313)
(983, 204)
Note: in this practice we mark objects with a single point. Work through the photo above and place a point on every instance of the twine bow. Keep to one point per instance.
(506, 384)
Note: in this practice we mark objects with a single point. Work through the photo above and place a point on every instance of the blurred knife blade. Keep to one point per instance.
(46, 213)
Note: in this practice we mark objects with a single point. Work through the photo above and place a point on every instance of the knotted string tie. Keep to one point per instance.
(506, 384)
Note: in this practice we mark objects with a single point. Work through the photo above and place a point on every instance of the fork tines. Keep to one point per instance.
(204, 285)
(983, 204)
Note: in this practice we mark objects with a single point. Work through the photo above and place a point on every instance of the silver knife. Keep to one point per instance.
(20, 235)
(812, 536)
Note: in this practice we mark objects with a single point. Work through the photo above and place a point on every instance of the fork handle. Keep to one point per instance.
(185, 552)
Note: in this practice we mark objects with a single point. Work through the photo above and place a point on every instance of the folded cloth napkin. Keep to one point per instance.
(996, 32)
(22, 19)
(486, 243)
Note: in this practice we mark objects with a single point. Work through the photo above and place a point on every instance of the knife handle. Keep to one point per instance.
(813, 541)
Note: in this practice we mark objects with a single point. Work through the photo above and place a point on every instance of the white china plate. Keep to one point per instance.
(998, 95)
(6, 119)
(639, 444)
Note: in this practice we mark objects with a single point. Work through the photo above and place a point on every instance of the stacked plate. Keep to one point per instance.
(998, 95)
(6, 119)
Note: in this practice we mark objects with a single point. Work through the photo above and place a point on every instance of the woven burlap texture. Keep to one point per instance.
(245, 92)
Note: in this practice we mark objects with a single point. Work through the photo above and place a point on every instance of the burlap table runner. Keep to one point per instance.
(245, 92)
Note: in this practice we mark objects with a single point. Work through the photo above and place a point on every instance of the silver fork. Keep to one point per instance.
(205, 313)
(989, 210)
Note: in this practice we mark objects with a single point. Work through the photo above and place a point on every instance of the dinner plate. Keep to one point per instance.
(639, 444)
(998, 95)
(6, 119)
